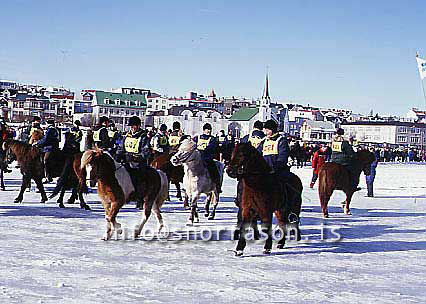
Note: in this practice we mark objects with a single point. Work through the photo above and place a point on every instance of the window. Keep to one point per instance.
(101, 110)
(186, 117)
(402, 139)
(215, 119)
(106, 100)
(200, 118)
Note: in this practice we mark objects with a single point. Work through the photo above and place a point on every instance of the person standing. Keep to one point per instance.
(369, 179)
(49, 143)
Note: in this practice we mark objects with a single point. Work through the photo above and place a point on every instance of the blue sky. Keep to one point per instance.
(352, 54)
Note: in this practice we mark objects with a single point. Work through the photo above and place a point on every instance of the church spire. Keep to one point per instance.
(267, 88)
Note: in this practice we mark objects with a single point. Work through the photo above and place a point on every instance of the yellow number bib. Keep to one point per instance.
(202, 143)
(131, 145)
(111, 134)
(270, 147)
(255, 141)
(174, 140)
(96, 135)
(163, 140)
(336, 146)
(221, 139)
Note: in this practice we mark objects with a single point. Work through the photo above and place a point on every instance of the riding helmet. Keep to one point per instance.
(176, 125)
(103, 119)
(258, 125)
(50, 121)
(163, 128)
(134, 121)
(340, 131)
(77, 123)
(271, 125)
(207, 126)
(36, 118)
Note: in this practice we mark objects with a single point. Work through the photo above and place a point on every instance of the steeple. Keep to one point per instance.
(266, 95)
(265, 103)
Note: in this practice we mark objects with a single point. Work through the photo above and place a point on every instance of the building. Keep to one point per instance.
(394, 133)
(119, 107)
(317, 131)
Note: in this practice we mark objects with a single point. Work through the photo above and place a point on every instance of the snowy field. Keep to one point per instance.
(52, 255)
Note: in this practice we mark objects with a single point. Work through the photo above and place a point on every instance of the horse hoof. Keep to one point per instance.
(267, 251)
(189, 223)
(325, 216)
(211, 217)
(280, 246)
(348, 213)
(3, 189)
(85, 207)
(238, 253)
(17, 200)
(206, 214)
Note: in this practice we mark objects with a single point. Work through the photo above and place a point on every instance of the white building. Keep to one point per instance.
(317, 131)
(383, 132)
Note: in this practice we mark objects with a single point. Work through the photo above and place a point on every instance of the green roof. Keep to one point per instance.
(244, 114)
(120, 99)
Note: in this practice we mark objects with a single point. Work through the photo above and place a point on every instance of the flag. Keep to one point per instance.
(421, 63)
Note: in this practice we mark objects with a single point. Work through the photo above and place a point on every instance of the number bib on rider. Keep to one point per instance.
(96, 135)
(174, 140)
(255, 141)
(131, 145)
(163, 140)
(270, 147)
(202, 143)
(336, 146)
(111, 134)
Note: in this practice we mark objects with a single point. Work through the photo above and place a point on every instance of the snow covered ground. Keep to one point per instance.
(52, 255)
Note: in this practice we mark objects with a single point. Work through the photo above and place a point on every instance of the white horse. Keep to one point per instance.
(197, 179)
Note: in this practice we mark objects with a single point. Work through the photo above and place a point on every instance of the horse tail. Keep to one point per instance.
(163, 193)
(322, 187)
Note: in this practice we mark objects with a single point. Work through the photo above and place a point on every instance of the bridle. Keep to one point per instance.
(184, 158)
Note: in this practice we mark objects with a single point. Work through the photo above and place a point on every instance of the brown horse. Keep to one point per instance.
(174, 174)
(334, 176)
(29, 159)
(264, 195)
(115, 188)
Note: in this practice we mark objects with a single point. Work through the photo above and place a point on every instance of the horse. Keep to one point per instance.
(31, 166)
(71, 179)
(333, 176)
(174, 173)
(263, 195)
(115, 188)
(296, 155)
(197, 179)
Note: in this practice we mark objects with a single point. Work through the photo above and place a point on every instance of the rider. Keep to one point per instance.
(35, 125)
(222, 143)
(175, 136)
(49, 143)
(73, 137)
(256, 137)
(343, 154)
(100, 135)
(5, 133)
(207, 145)
(135, 149)
(230, 143)
(275, 151)
(113, 135)
(160, 142)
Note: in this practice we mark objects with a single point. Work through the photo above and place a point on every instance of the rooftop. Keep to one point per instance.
(244, 114)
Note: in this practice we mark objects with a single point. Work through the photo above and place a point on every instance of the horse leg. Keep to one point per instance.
(345, 204)
(178, 192)
(146, 213)
(60, 200)
(83, 204)
(216, 202)
(324, 199)
(267, 228)
(3, 188)
(207, 205)
(157, 212)
(239, 221)
(111, 218)
(73, 196)
(185, 201)
(40, 187)
(242, 242)
(194, 212)
(25, 181)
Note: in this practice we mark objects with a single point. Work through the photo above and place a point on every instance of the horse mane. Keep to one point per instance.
(187, 145)
(255, 159)
(24, 152)
(88, 156)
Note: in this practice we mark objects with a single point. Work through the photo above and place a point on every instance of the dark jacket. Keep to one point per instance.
(207, 145)
(255, 138)
(275, 151)
(135, 147)
(101, 138)
(342, 151)
(50, 140)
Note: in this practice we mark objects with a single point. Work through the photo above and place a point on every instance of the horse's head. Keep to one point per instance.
(185, 153)
(94, 162)
(366, 158)
(243, 153)
(6, 144)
